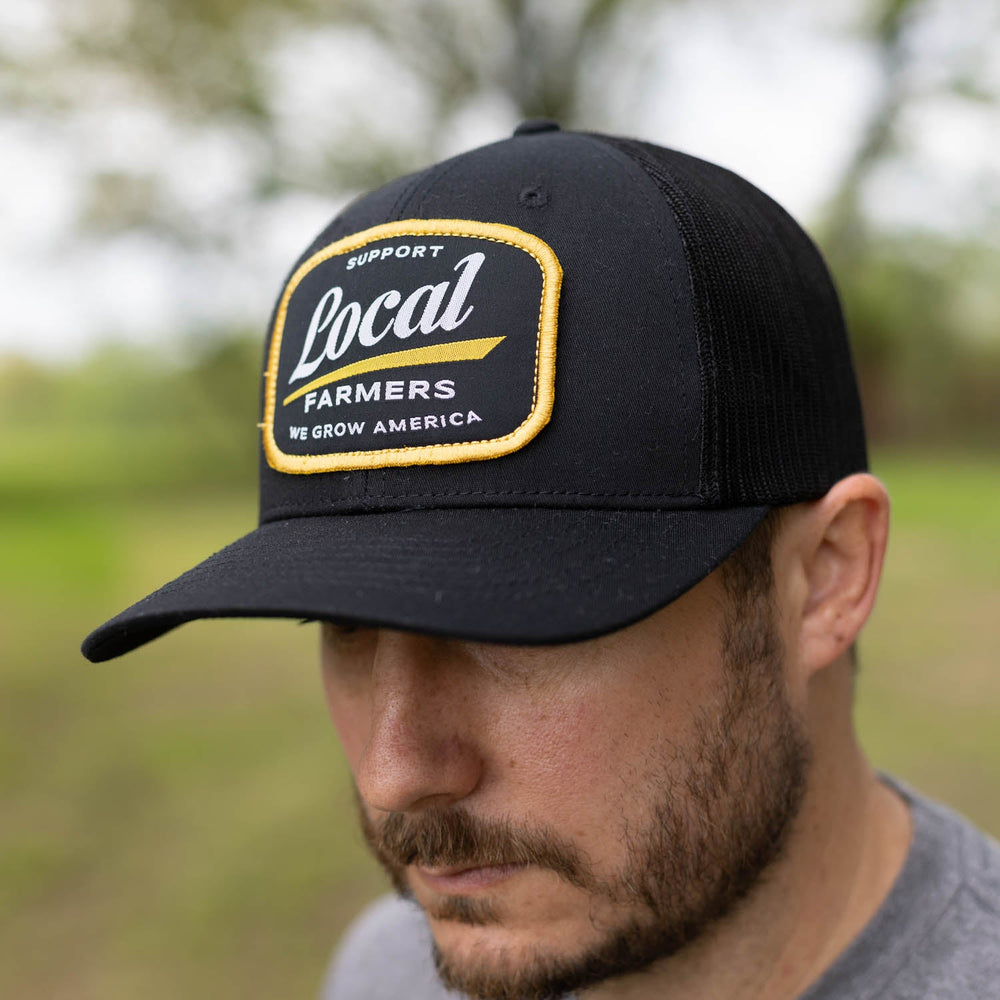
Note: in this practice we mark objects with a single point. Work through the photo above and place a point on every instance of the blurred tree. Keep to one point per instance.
(890, 28)
(213, 63)
(905, 294)
(216, 71)
(566, 61)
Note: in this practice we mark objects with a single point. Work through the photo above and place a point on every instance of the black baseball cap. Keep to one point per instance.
(530, 395)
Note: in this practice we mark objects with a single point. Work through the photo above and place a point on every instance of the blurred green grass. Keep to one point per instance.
(180, 822)
(928, 705)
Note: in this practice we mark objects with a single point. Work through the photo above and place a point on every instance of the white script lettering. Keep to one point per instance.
(341, 323)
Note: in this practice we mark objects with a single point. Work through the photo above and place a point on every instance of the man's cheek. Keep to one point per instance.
(571, 772)
(582, 739)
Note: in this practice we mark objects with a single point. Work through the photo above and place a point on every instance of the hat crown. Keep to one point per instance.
(700, 354)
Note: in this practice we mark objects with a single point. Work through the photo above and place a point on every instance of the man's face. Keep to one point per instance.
(566, 814)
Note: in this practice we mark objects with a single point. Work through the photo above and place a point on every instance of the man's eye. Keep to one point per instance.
(347, 653)
(343, 631)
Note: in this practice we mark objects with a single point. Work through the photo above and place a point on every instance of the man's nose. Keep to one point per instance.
(420, 750)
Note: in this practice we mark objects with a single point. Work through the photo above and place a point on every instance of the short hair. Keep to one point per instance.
(748, 574)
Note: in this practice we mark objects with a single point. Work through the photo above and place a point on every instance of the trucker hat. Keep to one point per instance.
(530, 394)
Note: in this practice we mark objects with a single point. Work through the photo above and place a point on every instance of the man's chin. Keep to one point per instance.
(500, 962)
(518, 937)
(493, 961)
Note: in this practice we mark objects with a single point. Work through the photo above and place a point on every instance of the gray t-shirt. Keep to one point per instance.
(936, 936)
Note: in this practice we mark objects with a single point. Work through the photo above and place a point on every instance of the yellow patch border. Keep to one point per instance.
(543, 394)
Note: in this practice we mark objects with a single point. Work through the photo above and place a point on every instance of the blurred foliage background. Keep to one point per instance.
(175, 824)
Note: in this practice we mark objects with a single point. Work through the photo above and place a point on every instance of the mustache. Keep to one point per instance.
(454, 838)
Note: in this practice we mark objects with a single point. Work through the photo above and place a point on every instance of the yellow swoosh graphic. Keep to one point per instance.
(459, 350)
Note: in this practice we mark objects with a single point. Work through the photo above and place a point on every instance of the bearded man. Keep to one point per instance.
(561, 443)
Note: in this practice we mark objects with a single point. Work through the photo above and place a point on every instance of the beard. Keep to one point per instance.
(717, 816)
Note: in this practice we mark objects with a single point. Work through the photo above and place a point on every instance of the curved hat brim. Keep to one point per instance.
(510, 575)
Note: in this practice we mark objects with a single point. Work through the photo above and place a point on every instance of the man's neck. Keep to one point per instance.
(847, 847)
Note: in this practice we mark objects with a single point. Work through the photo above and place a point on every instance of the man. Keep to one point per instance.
(561, 443)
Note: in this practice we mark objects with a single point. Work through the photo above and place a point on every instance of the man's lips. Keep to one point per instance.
(464, 879)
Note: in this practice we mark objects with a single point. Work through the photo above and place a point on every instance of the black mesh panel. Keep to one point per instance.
(782, 416)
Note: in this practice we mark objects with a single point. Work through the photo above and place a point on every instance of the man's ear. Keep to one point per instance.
(834, 548)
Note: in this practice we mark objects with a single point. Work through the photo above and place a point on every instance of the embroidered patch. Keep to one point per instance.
(415, 342)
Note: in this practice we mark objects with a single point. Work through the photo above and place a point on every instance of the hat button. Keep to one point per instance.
(535, 125)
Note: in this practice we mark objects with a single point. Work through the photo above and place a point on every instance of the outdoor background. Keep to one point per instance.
(178, 823)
